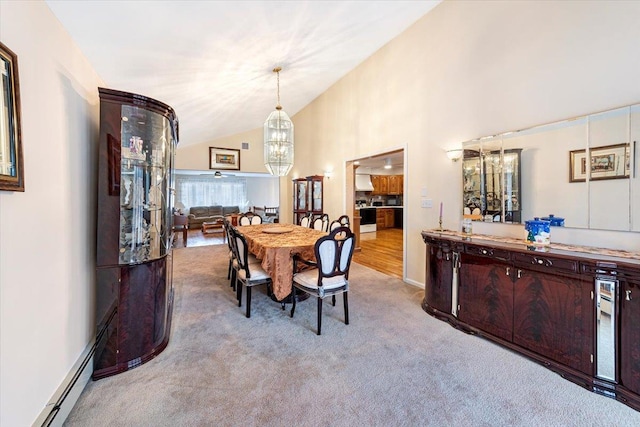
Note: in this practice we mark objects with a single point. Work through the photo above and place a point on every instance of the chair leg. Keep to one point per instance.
(319, 315)
(333, 300)
(248, 301)
(293, 300)
(346, 308)
(239, 293)
(229, 270)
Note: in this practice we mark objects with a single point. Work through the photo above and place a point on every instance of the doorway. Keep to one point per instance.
(378, 194)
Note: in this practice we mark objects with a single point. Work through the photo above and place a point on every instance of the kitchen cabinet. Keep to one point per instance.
(308, 196)
(543, 304)
(385, 218)
(134, 292)
(396, 183)
(380, 184)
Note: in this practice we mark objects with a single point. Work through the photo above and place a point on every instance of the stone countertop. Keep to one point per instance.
(552, 248)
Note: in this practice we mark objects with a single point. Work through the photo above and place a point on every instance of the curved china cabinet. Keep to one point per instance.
(577, 313)
(307, 197)
(134, 294)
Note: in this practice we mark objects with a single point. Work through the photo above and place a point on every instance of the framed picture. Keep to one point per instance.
(607, 162)
(11, 172)
(224, 158)
(578, 166)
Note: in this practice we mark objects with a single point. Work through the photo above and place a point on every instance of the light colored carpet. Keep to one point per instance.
(394, 365)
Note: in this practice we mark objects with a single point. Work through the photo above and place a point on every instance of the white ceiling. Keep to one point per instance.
(212, 61)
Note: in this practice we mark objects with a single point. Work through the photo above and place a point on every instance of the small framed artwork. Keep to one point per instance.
(610, 162)
(224, 158)
(578, 166)
(607, 162)
(11, 172)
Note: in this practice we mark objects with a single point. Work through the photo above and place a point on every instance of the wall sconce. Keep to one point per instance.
(328, 174)
(454, 155)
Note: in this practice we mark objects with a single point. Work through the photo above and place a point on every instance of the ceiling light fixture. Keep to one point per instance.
(278, 139)
(387, 164)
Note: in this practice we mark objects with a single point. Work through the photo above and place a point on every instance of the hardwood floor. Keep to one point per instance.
(381, 251)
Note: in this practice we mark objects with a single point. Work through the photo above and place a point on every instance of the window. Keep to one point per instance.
(209, 191)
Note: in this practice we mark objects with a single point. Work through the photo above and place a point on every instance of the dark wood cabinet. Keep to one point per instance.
(630, 329)
(134, 291)
(553, 316)
(485, 295)
(308, 194)
(440, 264)
(544, 304)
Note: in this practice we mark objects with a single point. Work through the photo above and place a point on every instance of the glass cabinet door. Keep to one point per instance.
(301, 195)
(316, 196)
(511, 185)
(146, 138)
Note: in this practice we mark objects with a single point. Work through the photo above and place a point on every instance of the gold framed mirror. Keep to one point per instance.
(11, 166)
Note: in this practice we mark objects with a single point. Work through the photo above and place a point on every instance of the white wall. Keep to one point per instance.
(465, 70)
(263, 191)
(47, 233)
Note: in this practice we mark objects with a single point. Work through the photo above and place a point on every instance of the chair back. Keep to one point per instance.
(226, 225)
(344, 220)
(245, 219)
(321, 223)
(180, 221)
(333, 253)
(241, 251)
(334, 224)
(305, 221)
(256, 219)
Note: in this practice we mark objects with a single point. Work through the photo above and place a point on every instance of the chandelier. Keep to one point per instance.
(278, 138)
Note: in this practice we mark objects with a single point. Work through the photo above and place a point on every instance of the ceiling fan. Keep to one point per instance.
(217, 175)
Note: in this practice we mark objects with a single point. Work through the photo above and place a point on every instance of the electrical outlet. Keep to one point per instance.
(427, 203)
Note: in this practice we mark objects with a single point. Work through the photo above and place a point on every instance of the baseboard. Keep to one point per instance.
(414, 283)
(63, 400)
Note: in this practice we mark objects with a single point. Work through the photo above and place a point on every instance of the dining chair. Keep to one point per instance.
(344, 220)
(256, 219)
(334, 224)
(248, 274)
(331, 275)
(245, 218)
(226, 224)
(305, 221)
(181, 223)
(321, 223)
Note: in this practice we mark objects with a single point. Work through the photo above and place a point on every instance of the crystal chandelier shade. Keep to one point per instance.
(278, 139)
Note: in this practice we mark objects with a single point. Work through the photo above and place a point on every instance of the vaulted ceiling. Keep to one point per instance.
(212, 61)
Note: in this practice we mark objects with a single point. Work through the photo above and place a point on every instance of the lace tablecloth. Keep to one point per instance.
(275, 244)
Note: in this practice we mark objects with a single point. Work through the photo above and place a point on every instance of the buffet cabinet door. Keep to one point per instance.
(485, 295)
(630, 331)
(439, 277)
(553, 316)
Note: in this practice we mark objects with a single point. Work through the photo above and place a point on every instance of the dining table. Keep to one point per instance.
(275, 245)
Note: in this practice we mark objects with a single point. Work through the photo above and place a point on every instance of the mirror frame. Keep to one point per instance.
(11, 137)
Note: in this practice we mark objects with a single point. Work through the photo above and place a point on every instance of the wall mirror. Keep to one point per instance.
(583, 170)
(11, 173)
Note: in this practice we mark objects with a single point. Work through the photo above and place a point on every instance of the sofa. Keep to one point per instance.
(199, 214)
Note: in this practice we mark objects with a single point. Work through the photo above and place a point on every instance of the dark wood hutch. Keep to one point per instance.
(134, 294)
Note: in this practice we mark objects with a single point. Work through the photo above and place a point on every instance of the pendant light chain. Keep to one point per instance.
(277, 71)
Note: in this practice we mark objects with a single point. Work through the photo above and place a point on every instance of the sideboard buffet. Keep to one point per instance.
(574, 310)
(134, 294)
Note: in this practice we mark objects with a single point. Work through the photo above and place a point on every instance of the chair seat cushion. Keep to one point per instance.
(309, 280)
(257, 275)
